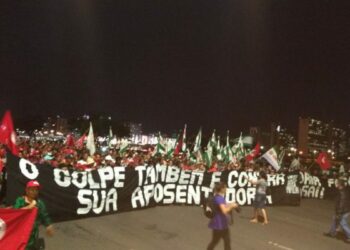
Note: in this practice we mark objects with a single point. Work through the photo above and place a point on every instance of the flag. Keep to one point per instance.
(15, 227)
(112, 142)
(218, 147)
(254, 153)
(212, 141)
(208, 156)
(172, 148)
(323, 161)
(220, 154)
(295, 165)
(90, 143)
(160, 147)
(70, 140)
(176, 149)
(80, 142)
(111, 138)
(192, 157)
(198, 142)
(219, 150)
(7, 133)
(123, 146)
(110, 133)
(272, 158)
(227, 150)
(281, 156)
(1, 166)
(238, 148)
(183, 148)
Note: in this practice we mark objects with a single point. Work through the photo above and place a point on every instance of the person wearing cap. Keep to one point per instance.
(109, 161)
(29, 201)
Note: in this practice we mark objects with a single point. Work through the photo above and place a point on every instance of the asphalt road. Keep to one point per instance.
(183, 227)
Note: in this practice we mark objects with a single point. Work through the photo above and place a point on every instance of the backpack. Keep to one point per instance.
(209, 207)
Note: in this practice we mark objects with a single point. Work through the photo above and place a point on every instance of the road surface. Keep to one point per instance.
(185, 227)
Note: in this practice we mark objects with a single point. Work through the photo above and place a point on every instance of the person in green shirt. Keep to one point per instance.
(29, 201)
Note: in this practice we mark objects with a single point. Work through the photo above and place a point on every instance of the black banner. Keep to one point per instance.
(70, 194)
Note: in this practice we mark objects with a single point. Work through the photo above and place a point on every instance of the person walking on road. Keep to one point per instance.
(220, 222)
(342, 212)
(260, 197)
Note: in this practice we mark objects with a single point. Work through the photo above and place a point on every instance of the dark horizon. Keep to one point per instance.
(220, 65)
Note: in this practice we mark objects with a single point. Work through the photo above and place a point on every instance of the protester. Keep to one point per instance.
(29, 201)
(260, 197)
(220, 223)
(342, 212)
(77, 157)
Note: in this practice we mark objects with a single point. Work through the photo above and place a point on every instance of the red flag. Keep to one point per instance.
(254, 153)
(1, 165)
(8, 134)
(180, 143)
(213, 168)
(70, 140)
(15, 227)
(80, 142)
(178, 147)
(323, 161)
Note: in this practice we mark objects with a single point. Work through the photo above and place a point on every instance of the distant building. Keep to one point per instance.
(277, 136)
(54, 125)
(264, 138)
(315, 136)
(61, 125)
(338, 143)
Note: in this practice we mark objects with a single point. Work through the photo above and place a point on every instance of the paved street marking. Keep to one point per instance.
(279, 246)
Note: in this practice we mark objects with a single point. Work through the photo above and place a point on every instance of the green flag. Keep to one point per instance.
(170, 146)
(198, 142)
(220, 154)
(160, 147)
(238, 149)
(228, 156)
(123, 146)
(212, 141)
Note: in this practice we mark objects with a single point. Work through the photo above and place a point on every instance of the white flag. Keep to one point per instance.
(272, 158)
(110, 133)
(90, 143)
(183, 149)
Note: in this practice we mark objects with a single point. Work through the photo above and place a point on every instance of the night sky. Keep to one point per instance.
(224, 64)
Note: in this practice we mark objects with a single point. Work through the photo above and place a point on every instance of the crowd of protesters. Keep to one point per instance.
(59, 154)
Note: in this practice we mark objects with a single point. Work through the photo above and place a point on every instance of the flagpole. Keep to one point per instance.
(194, 144)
